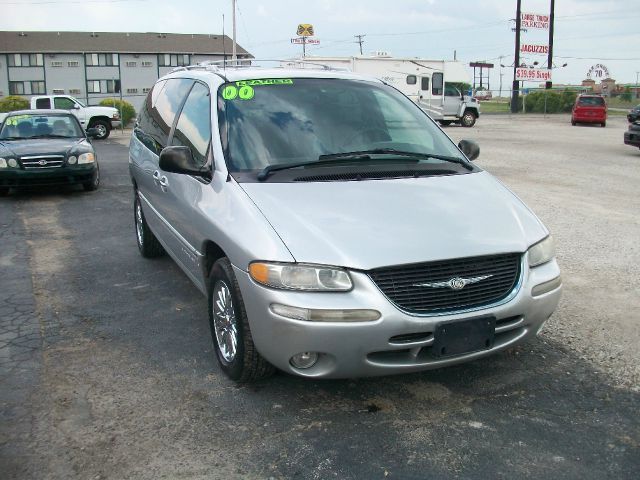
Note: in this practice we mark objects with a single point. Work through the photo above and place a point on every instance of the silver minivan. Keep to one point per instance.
(335, 229)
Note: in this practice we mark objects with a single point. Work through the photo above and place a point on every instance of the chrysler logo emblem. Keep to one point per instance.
(456, 283)
(42, 162)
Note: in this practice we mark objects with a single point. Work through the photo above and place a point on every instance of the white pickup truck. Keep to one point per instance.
(103, 119)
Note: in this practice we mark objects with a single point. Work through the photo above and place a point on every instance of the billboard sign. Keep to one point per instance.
(531, 48)
(534, 20)
(533, 74)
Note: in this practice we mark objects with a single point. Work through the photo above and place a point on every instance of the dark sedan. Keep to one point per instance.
(46, 147)
(632, 136)
(634, 114)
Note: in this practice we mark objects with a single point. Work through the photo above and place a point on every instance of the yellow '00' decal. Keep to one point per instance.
(243, 89)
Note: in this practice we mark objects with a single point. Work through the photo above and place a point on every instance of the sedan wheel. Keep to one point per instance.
(224, 321)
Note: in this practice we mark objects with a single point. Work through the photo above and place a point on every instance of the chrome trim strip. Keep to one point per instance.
(32, 157)
(168, 225)
(507, 299)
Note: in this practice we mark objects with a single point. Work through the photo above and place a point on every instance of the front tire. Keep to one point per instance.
(230, 332)
(148, 244)
(103, 127)
(468, 119)
(94, 183)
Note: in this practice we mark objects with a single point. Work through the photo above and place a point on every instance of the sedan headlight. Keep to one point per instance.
(296, 276)
(3, 163)
(542, 252)
(86, 158)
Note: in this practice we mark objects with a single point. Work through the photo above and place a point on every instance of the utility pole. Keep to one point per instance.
(516, 63)
(637, 92)
(501, 74)
(233, 17)
(550, 57)
(360, 41)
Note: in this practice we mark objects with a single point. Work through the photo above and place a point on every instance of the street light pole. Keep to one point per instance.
(233, 17)
(637, 93)
(548, 85)
(516, 63)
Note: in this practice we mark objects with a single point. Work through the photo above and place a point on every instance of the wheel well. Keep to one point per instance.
(471, 110)
(95, 119)
(212, 253)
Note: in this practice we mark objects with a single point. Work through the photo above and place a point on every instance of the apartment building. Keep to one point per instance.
(92, 66)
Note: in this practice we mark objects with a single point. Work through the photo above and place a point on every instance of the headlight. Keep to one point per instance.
(293, 276)
(542, 252)
(86, 158)
(12, 162)
(72, 160)
(3, 163)
(115, 116)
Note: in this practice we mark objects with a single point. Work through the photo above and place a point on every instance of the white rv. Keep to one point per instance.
(421, 80)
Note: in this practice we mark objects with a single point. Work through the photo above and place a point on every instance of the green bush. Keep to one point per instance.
(13, 103)
(556, 102)
(126, 110)
(626, 96)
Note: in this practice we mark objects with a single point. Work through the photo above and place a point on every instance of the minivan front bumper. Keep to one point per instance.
(397, 342)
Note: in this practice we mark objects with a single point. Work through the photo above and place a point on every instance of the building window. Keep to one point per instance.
(16, 88)
(147, 64)
(101, 59)
(58, 91)
(73, 63)
(75, 91)
(113, 86)
(169, 60)
(37, 88)
(132, 90)
(56, 64)
(93, 86)
(26, 60)
(132, 64)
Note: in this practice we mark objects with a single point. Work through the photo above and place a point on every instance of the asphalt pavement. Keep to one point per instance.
(107, 369)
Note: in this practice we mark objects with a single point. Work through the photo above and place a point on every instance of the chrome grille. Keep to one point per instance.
(404, 285)
(42, 161)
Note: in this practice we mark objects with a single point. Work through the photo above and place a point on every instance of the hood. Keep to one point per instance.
(108, 111)
(369, 224)
(40, 146)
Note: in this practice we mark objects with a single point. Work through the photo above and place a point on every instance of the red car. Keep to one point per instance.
(589, 109)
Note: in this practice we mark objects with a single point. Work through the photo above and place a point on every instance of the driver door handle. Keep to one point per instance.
(161, 179)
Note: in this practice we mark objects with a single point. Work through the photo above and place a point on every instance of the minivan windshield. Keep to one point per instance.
(297, 120)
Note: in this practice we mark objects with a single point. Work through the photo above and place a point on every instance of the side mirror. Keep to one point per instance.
(470, 148)
(76, 106)
(93, 132)
(179, 159)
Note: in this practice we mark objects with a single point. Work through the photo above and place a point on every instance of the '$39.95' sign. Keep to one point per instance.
(533, 74)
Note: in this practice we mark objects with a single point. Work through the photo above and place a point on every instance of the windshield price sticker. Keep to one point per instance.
(533, 74)
(243, 89)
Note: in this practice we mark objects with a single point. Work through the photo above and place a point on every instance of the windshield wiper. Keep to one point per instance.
(400, 153)
(11, 138)
(322, 160)
(48, 135)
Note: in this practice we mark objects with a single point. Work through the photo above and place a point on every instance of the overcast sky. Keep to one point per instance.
(587, 32)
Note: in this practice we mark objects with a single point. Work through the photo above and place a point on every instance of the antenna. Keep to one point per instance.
(224, 49)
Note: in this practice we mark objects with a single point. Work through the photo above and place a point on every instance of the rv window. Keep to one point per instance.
(411, 80)
(425, 83)
(436, 85)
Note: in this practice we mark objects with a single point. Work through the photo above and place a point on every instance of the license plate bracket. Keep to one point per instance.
(463, 336)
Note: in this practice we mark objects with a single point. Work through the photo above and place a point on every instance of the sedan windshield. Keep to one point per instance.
(283, 121)
(18, 127)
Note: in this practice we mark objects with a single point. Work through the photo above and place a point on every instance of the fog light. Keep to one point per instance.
(12, 162)
(546, 287)
(72, 160)
(304, 360)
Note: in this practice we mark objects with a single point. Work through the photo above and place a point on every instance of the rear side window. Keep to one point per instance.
(43, 103)
(194, 124)
(591, 101)
(159, 112)
(411, 80)
(436, 84)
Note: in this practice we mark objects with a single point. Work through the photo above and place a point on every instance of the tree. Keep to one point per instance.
(13, 103)
(626, 95)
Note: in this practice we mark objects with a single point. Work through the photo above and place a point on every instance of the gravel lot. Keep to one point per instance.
(107, 372)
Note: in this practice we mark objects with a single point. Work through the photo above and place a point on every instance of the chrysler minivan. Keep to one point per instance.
(334, 228)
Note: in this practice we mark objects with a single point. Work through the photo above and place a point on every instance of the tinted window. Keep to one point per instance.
(591, 101)
(424, 84)
(411, 80)
(63, 103)
(159, 112)
(193, 129)
(436, 84)
(43, 103)
(450, 91)
(275, 123)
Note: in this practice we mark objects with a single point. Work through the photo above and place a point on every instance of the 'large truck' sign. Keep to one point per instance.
(534, 20)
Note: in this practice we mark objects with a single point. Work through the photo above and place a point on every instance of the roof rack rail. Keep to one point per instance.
(215, 65)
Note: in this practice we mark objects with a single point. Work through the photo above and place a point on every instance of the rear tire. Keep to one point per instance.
(230, 332)
(468, 119)
(148, 244)
(103, 127)
(94, 183)
(603, 124)
(574, 123)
